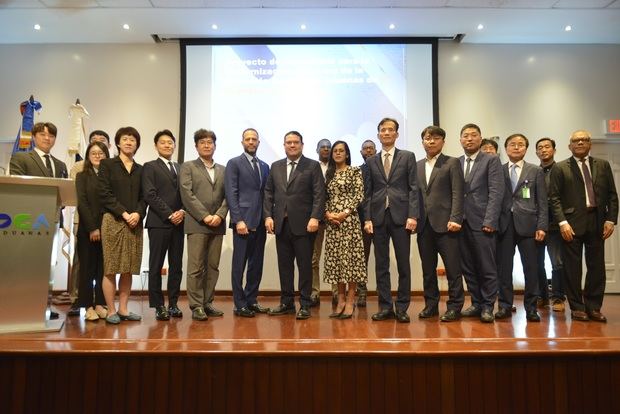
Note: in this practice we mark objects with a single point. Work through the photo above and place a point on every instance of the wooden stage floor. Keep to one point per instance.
(279, 335)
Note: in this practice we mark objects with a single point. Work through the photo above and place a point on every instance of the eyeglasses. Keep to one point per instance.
(577, 140)
(516, 145)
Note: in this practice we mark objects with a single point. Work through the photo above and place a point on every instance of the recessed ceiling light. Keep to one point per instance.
(480, 26)
(392, 26)
(531, 59)
(568, 28)
(214, 26)
(126, 26)
(37, 27)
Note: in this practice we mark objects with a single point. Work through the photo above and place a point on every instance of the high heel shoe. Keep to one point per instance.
(346, 315)
(336, 315)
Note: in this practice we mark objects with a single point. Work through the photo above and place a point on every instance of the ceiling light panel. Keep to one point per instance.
(122, 4)
(301, 4)
(69, 3)
(178, 3)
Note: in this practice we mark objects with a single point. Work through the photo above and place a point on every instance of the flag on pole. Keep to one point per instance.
(76, 142)
(23, 142)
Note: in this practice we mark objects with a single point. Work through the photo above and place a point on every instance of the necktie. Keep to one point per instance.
(255, 166)
(174, 173)
(387, 164)
(513, 176)
(468, 167)
(588, 180)
(48, 164)
(290, 175)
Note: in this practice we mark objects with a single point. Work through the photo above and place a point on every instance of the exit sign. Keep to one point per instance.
(612, 127)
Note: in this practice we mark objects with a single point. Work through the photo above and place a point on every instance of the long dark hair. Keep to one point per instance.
(88, 166)
(331, 164)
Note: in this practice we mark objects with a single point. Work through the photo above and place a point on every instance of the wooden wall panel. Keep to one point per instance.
(308, 384)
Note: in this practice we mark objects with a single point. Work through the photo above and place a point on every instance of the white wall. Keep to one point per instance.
(539, 90)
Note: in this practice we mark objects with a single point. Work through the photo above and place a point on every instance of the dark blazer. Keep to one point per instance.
(120, 190)
(161, 192)
(29, 163)
(89, 204)
(529, 214)
(568, 196)
(244, 191)
(401, 188)
(361, 209)
(441, 199)
(484, 192)
(301, 199)
(202, 196)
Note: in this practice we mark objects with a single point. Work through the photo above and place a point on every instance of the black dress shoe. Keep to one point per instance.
(472, 311)
(503, 313)
(211, 311)
(428, 313)
(384, 315)
(244, 312)
(532, 316)
(336, 315)
(450, 316)
(174, 311)
(486, 316)
(256, 308)
(53, 315)
(304, 313)
(281, 309)
(402, 317)
(161, 314)
(315, 301)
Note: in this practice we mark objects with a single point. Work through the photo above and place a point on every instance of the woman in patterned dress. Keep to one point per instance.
(344, 248)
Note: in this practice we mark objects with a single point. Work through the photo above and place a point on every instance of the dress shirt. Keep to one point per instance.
(210, 169)
(518, 169)
(41, 154)
(429, 165)
(583, 177)
(167, 161)
(472, 162)
(289, 168)
(324, 166)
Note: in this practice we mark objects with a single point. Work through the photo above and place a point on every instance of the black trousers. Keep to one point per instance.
(291, 248)
(90, 256)
(162, 241)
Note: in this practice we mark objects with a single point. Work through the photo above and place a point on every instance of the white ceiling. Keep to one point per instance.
(504, 21)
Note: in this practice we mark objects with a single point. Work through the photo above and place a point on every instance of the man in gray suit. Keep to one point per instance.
(39, 162)
(391, 213)
(484, 191)
(294, 203)
(440, 180)
(523, 222)
(202, 193)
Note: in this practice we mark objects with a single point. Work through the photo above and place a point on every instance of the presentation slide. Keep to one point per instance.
(333, 91)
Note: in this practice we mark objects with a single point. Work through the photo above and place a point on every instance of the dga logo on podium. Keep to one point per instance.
(24, 224)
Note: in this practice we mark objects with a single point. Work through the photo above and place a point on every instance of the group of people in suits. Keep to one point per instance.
(472, 211)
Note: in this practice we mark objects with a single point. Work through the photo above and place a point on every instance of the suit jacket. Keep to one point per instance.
(120, 190)
(441, 199)
(161, 192)
(361, 210)
(89, 203)
(244, 191)
(484, 192)
(29, 163)
(528, 214)
(568, 195)
(202, 196)
(299, 200)
(400, 187)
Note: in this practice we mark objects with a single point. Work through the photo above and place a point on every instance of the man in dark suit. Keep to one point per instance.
(39, 162)
(523, 222)
(484, 191)
(245, 181)
(323, 149)
(202, 194)
(368, 150)
(585, 204)
(391, 213)
(294, 204)
(545, 151)
(440, 181)
(164, 221)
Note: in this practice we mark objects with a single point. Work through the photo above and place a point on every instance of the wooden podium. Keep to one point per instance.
(29, 216)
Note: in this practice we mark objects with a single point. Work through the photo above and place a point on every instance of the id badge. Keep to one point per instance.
(525, 192)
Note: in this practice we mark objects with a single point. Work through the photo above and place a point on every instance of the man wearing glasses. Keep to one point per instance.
(523, 222)
(584, 202)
